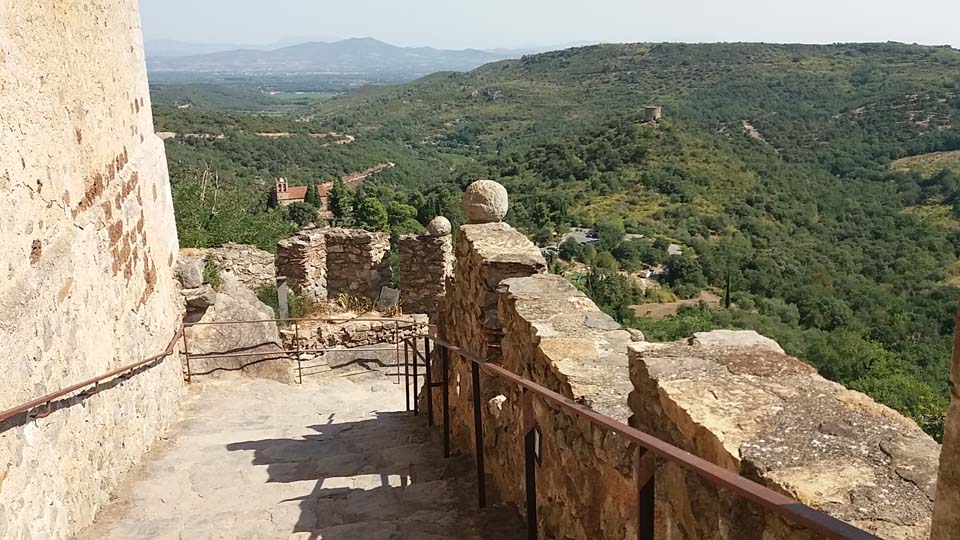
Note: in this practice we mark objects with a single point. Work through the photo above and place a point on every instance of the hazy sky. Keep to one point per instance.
(514, 23)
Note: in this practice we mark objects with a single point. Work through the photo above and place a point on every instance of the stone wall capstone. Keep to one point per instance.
(735, 399)
(88, 244)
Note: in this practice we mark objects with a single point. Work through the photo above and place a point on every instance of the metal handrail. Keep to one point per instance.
(52, 396)
(791, 509)
(399, 323)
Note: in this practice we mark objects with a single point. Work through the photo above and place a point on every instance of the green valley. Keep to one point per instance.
(785, 172)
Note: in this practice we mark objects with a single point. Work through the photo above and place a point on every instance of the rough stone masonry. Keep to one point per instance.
(325, 263)
(87, 248)
(426, 262)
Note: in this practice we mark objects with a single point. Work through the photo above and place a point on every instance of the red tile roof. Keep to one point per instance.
(294, 193)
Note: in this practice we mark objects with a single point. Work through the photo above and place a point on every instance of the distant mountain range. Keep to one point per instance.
(349, 57)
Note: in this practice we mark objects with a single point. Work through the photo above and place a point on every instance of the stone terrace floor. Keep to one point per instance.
(332, 459)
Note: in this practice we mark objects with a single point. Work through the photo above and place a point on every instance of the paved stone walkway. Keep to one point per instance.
(336, 459)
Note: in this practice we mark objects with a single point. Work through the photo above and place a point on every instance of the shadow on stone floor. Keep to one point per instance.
(381, 478)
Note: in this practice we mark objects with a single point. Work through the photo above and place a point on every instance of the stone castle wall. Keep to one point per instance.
(485, 255)
(554, 335)
(88, 248)
(426, 262)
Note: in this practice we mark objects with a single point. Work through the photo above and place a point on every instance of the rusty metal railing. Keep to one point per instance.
(649, 450)
(30, 407)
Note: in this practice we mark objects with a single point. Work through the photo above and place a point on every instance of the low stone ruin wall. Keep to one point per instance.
(252, 266)
(328, 262)
(302, 259)
(351, 334)
(426, 261)
(358, 262)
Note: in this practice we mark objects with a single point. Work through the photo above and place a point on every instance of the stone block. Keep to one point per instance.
(734, 398)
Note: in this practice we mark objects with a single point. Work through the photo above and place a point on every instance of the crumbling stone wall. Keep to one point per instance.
(735, 399)
(87, 244)
(426, 261)
(358, 262)
(328, 262)
(302, 259)
(355, 333)
(252, 266)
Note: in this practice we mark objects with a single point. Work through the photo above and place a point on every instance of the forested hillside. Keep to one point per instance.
(772, 167)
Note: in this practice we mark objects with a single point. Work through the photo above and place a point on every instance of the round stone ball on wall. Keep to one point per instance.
(485, 201)
(440, 226)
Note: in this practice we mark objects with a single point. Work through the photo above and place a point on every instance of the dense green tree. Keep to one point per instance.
(570, 249)
(371, 215)
(609, 234)
(341, 203)
(401, 218)
(313, 195)
(302, 213)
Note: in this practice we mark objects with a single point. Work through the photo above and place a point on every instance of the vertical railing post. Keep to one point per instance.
(296, 333)
(428, 385)
(644, 471)
(406, 371)
(478, 433)
(416, 402)
(530, 462)
(186, 352)
(445, 399)
(396, 339)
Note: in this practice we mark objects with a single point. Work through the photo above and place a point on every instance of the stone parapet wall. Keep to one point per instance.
(328, 262)
(486, 254)
(426, 262)
(302, 259)
(735, 399)
(88, 243)
(252, 266)
(358, 262)
(557, 337)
